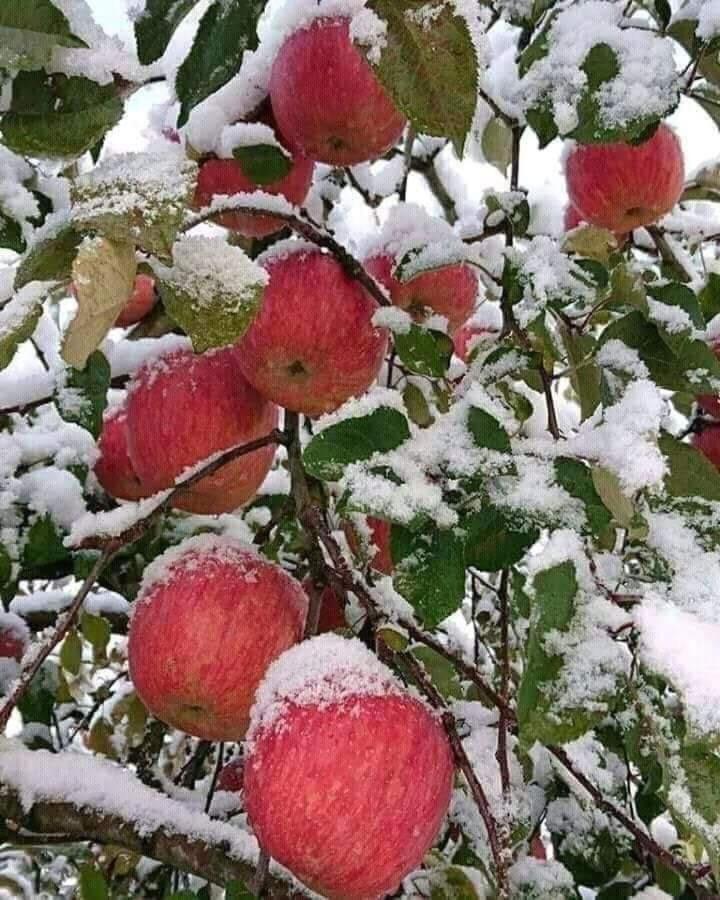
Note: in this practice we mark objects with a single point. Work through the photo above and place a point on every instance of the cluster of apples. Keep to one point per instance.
(334, 744)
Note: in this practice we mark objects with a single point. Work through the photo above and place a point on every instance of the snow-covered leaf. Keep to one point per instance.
(19, 317)
(424, 351)
(156, 26)
(83, 396)
(494, 540)
(577, 479)
(50, 259)
(29, 30)
(691, 473)
(103, 277)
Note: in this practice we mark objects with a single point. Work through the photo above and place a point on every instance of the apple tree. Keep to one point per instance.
(359, 514)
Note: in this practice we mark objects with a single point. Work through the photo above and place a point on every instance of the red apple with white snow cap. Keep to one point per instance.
(327, 100)
(485, 325)
(312, 344)
(14, 636)
(622, 186)
(210, 617)
(331, 779)
(113, 468)
(184, 407)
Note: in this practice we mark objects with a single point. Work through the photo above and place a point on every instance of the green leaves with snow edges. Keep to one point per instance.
(354, 440)
(429, 66)
(49, 260)
(83, 397)
(29, 32)
(156, 26)
(424, 351)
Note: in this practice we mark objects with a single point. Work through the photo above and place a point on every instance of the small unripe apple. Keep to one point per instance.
(450, 291)
(14, 636)
(182, 408)
(113, 468)
(332, 609)
(379, 539)
(327, 100)
(624, 186)
(348, 776)
(312, 344)
(210, 617)
(231, 776)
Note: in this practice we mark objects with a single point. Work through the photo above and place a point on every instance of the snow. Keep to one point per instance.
(616, 355)
(97, 603)
(395, 319)
(541, 879)
(323, 671)
(22, 305)
(708, 25)
(247, 134)
(114, 522)
(376, 398)
(54, 492)
(11, 624)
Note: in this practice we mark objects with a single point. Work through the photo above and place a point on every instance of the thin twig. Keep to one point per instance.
(502, 741)
(216, 773)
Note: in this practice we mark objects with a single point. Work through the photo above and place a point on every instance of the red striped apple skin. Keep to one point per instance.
(113, 468)
(620, 186)
(225, 176)
(312, 344)
(350, 796)
(184, 407)
(327, 100)
(142, 300)
(201, 638)
(450, 291)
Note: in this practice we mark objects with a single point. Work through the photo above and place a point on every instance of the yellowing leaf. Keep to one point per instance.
(103, 276)
(591, 242)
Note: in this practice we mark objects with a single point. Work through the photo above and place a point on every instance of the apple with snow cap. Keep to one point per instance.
(312, 344)
(485, 325)
(326, 99)
(113, 467)
(210, 617)
(227, 177)
(331, 776)
(622, 186)
(14, 639)
(182, 408)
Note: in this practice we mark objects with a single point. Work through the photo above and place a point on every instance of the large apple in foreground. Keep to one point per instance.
(312, 345)
(623, 186)
(348, 777)
(449, 291)
(210, 617)
(327, 100)
(113, 468)
(184, 407)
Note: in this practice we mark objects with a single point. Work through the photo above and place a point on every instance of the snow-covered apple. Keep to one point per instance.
(14, 636)
(448, 291)
(327, 100)
(313, 344)
(184, 407)
(622, 186)
(348, 777)
(210, 617)
(373, 534)
(113, 467)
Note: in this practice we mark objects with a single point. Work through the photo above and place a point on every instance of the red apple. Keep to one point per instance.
(332, 608)
(141, 301)
(113, 468)
(226, 176)
(707, 442)
(621, 186)
(572, 218)
(312, 345)
(450, 291)
(210, 617)
(14, 636)
(327, 100)
(348, 777)
(380, 531)
(231, 776)
(710, 403)
(182, 408)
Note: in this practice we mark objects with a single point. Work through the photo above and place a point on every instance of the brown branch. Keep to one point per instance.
(305, 228)
(502, 742)
(667, 254)
(644, 840)
(213, 862)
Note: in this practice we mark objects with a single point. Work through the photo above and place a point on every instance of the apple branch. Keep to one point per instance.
(502, 741)
(66, 823)
(302, 225)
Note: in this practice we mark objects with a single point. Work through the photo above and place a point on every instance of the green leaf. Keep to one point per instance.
(675, 295)
(429, 67)
(30, 30)
(577, 479)
(691, 473)
(417, 406)
(442, 672)
(92, 883)
(353, 440)
(263, 163)
(44, 545)
(494, 541)
(584, 373)
(11, 236)
(6, 566)
(709, 297)
(708, 97)
(226, 31)
(496, 144)
(96, 630)
(701, 765)
(429, 571)
(71, 653)
(51, 259)
(487, 431)
(39, 701)
(18, 319)
(424, 351)
(685, 33)
(57, 115)
(552, 610)
(89, 386)
(607, 485)
(156, 26)
(236, 890)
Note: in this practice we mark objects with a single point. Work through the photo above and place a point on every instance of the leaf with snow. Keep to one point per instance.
(578, 481)
(19, 317)
(50, 259)
(494, 539)
(156, 25)
(103, 277)
(691, 473)
(424, 351)
(429, 66)
(58, 116)
(137, 198)
(226, 31)
(83, 396)
(29, 32)
(213, 290)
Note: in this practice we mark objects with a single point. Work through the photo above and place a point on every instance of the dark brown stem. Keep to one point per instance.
(502, 742)
(667, 255)
(407, 154)
(216, 773)
(118, 382)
